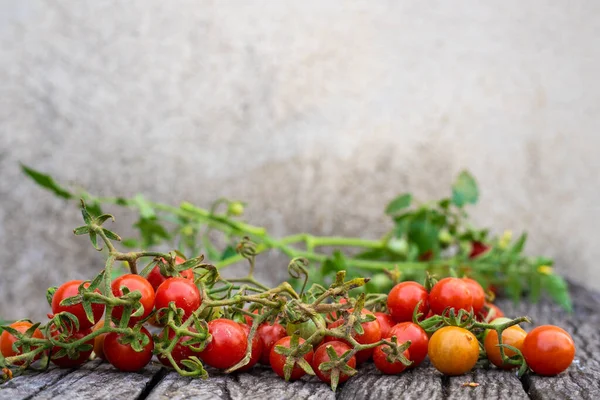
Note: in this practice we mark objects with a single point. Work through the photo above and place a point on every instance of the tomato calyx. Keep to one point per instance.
(294, 356)
(337, 365)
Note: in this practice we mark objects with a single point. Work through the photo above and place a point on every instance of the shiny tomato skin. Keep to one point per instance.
(257, 348)
(133, 282)
(383, 365)
(385, 323)
(99, 341)
(269, 334)
(123, 357)
(182, 291)
(70, 289)
(404, 297)
(228, 344)
(156, 278)
(7, 340)
(513, 336)
(321, 357)
(179, 352)
(453, 350)
(65, 361)
(477, 294)
(548, 350)
(277, 360)
(450, 292)
(419, 341)
(371, 334)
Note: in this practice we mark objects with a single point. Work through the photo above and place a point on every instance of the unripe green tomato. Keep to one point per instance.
(445, 237)
(235, 208)
(306, 329)
(398, 246)
(497, 321)
(379, 283)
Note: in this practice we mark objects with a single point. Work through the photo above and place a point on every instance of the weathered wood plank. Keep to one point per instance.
(493, 384)
(423, 382)
(260, 383)
(25, 386)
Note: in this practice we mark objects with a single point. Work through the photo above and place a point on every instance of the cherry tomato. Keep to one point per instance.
(513, 336)
(478, 249)
(182, 291)
(490, 312)
(453, 350)
(304, 329)
(269, 334)
(382, 364)
(156, 278)
(419, 340)
(7, 340)
(278, 360)
(450, 292)
(257, 348)
(99, 341)
(67, 362)
(371, 334)
(228, 344)
(497, 321)
(404, 297)
(70, 289)
(179, 352)
(123, 356)
(133, 283)
(477, 293)
(548, 350)
(321, 357)
(385, 323)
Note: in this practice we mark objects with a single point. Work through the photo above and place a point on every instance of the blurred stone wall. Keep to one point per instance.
(315, 112)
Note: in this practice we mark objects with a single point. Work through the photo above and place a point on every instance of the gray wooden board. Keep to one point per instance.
(493, 384)
(27, 385)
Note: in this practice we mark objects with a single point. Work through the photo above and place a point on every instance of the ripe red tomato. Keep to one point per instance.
(7, 340)
(548, 350)
(382, 364)
(513, 336)
(278, 360)
(371, 334)
(404, 297)
(477, 293)
(450, 292)
(70, 289)
(182, 291)
(123, 357)
(321, 357)
(491, 312)
(419, 340)
(228, 344)
(179, 352)
(478, 249)
(156, 278)
(453, 350)
(65, 361)
(385, 323)
(257, 348)
(133, 283)
(269, 334)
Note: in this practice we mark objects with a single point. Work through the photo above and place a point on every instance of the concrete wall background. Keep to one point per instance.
(315, 112)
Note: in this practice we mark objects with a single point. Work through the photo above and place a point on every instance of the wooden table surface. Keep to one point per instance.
(97, 380)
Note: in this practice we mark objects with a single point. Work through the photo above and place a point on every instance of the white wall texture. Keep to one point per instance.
(315, 112)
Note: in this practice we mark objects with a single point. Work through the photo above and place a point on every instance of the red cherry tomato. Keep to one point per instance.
(7, 340)
(385, 323)
(70, 289)
(371, 334)
(183, 292)
(419, 341)
(321, 357)
(477, 293)
(156, 278)
(133, 283)
(404, 297)
(123, 356)
(257, 348)
(228, 344)
(490, 312)
(269, 334)
(278, 360)
(450, 292)
(382, 364)
(67, 362)
(179, 352)
(548, 350)
(478, 249)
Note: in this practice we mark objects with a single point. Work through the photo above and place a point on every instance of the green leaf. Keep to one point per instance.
(398, 204)
(151, 231)
(47, 182)
(519, 244)
(228, 252)
(146, 210)
(131, 243)
(423, 232)
(558, 290)
(464, 190)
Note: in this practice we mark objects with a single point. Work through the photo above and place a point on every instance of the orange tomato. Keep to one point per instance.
(453, 350)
